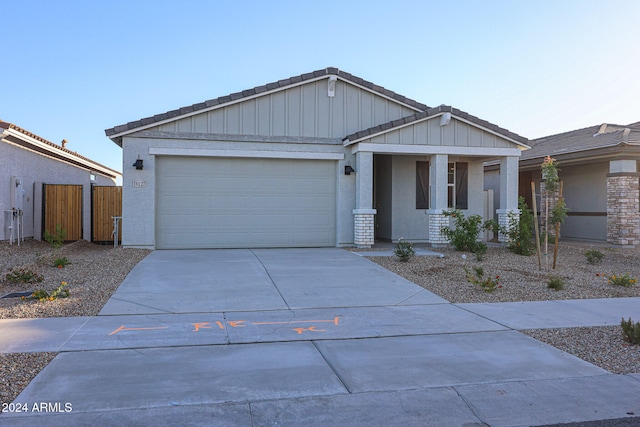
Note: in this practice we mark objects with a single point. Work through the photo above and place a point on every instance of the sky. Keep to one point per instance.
(71, 69)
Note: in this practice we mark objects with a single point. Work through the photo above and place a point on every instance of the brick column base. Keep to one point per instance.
(504, 220)
(623, 215)
(436, 221)
(363, 231)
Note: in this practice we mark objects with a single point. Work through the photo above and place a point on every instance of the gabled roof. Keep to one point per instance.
(11, 133)
(114, 132)
(585, 141)
(432, 112)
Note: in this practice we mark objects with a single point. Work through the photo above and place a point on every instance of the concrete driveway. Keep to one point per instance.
(302, 337)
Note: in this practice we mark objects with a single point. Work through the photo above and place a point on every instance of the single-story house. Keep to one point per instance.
(599, 169)
(321, 159)
(27, 162)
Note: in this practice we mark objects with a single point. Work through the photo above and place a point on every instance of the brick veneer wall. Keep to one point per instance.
(363, 230)
(623, 208)
(436, 222)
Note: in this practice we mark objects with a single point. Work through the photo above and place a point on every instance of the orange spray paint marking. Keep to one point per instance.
(123, 328)
(237, 324)
(310, 329)
(334, 321)
(220, 325)
(201, 325)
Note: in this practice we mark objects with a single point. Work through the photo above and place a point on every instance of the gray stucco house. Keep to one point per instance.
(599, 168)
(321, 159)
(27, 161)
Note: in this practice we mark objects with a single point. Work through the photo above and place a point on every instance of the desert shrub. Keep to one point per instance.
(488, 284)
(23, 275)
(593, 256)
(42, 295)
(56, 238)
(621, 280)
(631, 331)
(464, 236)
(404, 250)
(61, 262)
(555, 282)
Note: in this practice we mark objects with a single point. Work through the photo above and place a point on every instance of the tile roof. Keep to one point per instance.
(85, 161)
(589, 138)
(430, 112)
(260, 89)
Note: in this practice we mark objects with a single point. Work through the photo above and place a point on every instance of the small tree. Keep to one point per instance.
(556, 215)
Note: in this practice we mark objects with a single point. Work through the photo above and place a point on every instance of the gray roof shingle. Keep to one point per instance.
(432, 112)
(589, 138)
(260, 89)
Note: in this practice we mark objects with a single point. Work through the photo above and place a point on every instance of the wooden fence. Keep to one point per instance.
(106, 202)
(62, 207)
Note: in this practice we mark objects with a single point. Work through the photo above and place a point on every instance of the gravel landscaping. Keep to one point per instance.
(521, 280)
(96, 271)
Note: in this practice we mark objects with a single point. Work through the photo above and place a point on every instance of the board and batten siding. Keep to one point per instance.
(301, 111)
(429, 132)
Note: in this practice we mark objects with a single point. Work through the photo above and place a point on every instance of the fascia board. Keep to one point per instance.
(435, 149)
(46, 147)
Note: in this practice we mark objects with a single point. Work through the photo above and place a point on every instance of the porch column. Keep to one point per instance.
(363, 232)
(438, 199)
(623, 193)
(508, 193)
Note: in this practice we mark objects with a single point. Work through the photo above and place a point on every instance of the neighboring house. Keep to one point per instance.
(28, 161)
(599, 169)
(321, 159)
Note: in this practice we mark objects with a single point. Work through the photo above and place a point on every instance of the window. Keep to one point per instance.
(457, 185)
(422, 185)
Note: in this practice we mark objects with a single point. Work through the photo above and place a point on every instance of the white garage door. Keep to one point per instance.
(205, 202)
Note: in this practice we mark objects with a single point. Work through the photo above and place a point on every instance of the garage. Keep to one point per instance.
(223, 202)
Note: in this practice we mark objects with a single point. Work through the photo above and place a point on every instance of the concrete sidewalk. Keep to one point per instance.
(310, 337)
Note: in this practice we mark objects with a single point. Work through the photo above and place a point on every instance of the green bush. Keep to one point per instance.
(404, 250)
(631, 331)
(556, 283)
(464, 236)
(520, 231)
(594, 256)
(23, 275)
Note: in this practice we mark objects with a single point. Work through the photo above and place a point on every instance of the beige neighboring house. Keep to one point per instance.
(599, 169)
(27, 162)
(321, 159)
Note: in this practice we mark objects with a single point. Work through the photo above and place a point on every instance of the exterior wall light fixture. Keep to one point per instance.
(348, 170)
(138, 164)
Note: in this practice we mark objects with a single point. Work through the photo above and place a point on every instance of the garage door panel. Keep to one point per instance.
(231, 202)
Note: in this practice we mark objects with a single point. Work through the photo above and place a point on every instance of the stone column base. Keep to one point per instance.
(504, 221)
(623, 217)
(436, 222)
(363, 228)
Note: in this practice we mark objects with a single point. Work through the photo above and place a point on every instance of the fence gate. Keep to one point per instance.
(62, 205)
(106, 202)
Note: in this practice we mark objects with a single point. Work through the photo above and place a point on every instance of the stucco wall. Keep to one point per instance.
(585, 193)
(36, 168)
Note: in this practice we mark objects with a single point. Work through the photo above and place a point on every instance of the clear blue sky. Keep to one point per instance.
(71, 69)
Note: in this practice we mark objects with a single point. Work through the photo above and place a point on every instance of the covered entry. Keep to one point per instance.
(222, 202)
